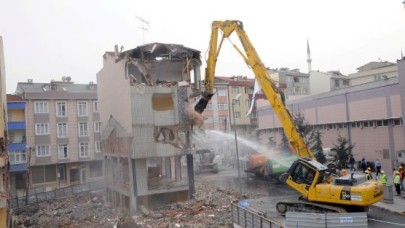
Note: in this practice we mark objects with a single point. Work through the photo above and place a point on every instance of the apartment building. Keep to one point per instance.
(145, 96)
(17, 145)
(369, 115)
(297, 83)
(239, 98)
(373, 71)
(323, 82)
(63, 133)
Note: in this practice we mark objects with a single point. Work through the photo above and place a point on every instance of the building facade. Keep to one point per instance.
(373, 71)
(146, 96)
(369, 115)
(323, 82)
(63, 133)
(297, 83)
(17, 144)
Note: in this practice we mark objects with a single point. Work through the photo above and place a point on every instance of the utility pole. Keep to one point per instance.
(144, 27)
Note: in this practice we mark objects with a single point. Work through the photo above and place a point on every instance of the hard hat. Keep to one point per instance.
(397, 172)
(343, 170)
(366, 171)
(368, 168)
(400, 167)
(382, 171)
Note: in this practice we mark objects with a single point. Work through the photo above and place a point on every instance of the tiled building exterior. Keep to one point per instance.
(63, 133)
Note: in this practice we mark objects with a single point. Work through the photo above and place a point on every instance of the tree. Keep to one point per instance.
(284, 145)
(343, 152)
(317, 148)
(312, 137)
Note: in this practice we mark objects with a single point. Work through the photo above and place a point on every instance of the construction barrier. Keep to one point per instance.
(330, 220)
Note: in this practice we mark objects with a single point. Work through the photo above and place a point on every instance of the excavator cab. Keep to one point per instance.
(305, 173)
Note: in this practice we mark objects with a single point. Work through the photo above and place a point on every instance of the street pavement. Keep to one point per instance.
(397, 205)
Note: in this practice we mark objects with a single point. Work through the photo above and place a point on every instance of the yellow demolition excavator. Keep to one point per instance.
(321, 191)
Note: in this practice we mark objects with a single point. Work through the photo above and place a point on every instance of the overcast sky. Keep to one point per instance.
(48, 39)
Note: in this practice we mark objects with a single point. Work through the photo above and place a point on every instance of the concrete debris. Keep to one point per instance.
(210, 208)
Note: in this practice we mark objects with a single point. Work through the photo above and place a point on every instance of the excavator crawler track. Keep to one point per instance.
(306, 206)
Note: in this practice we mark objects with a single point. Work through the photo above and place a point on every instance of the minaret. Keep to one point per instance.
(309, 60)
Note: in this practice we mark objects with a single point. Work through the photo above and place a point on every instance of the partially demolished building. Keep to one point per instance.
(147, 121)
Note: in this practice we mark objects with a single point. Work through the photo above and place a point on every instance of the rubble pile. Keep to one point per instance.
(76, 211)
(210, 208)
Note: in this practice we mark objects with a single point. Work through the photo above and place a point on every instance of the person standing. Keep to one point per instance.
(368, 175)
(401, 177)
(383, 178)
(377, 165)
(397, 182)
(363, 164)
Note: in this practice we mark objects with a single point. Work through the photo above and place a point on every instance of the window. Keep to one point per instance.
(366, 124)
(358, 124)
(95, 106)
(83, 129)
(18, 157)
(235, 102)
(84, 150)
(60, 108)
(379, 123)
(62, 130)
(353, 124)
(337, 83)
(222, 106)
(235, 90)
(63, 151)
(41, 107)
(237, 115)
(397, 121)
(42, 129)
(42, 174)
(209, 106)
(296, 79)
(42, 150)
(209, 119)
(97, 126)
(98, 146)
(222, 92)
(385, 122)
(82, 108)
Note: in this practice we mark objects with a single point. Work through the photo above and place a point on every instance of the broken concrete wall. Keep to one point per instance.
(143, 95)
(113, 92)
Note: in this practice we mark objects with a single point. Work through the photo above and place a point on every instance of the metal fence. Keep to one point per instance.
(312, 220)
(41, 195)
(245, 217)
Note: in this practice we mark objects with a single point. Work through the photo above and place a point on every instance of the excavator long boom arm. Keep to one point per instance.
(252, 59)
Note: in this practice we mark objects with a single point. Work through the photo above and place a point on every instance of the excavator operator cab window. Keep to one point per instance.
(303, 174)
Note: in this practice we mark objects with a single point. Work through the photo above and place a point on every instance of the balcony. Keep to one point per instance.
(18, 167)
(16, 106)
(17, 147)
(16, 125)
